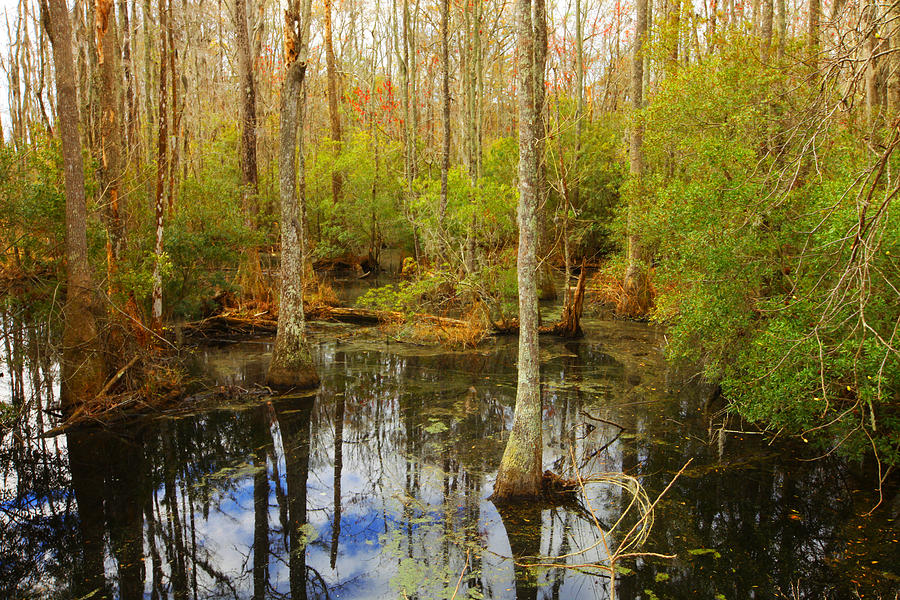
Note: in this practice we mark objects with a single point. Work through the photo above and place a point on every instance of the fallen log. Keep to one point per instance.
(244, 323)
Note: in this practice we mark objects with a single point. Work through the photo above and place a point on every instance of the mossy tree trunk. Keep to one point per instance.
(83, 366)
(292, 364)
(520, 469)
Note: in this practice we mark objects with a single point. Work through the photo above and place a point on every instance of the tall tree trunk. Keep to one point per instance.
(292, 364)
(815, 13)
(520, 469)
(445, 104)
(893, 81)
(169, 31)
(128, 68)
(162, 167)
(111, 133)
(333, 108)
(782, 28)
(636, 298)
(766, 32)
(871, 77)
(83, 368)
(250, 276)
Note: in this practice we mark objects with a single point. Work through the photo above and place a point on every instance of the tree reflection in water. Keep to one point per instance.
(377, 487)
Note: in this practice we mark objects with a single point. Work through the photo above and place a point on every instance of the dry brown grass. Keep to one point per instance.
(467, 332)
(607, 291)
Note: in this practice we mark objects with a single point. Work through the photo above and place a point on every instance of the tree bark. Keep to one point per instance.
(250, 276)
(766, 32)
(111, 132)
(83, 369)
(292, 364)
(520, 468)
(815, 13)
(333, 109)
(782, 28)
(162, 167)
(445, 104)
(636, 298)
(871, 77)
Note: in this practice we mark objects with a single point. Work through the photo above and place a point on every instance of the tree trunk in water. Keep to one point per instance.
(250, 276)
(333, 113)
(292, 364)
(520, 469)
(111, 133)
(636, 298)
(570, 323)
(83, 369)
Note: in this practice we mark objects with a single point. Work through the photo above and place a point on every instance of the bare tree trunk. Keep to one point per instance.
(333, 110)
(111, 133)
(445, 104)
(83, 368)
(168, 30)
(520, 469)
(872, 100)
(766, 33)
(162, 167)
(893, 77)
(815, 12)
(128, 69)
(636, 298)
(782, 28)
(250, 276)
(292, 364)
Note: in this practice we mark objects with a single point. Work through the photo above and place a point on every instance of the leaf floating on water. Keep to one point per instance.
(436, 427)
(705, 552)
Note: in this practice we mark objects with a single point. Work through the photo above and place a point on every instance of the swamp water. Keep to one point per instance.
(376, 486)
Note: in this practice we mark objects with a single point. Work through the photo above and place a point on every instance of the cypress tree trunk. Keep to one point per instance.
(519, 475)
(83, 367)
(292, 364)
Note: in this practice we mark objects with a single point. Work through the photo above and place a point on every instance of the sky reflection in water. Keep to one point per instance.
(186, 507)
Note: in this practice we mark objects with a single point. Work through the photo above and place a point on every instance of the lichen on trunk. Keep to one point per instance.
(292, 365)
(519, 475)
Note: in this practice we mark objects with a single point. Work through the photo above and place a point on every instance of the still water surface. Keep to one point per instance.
(376, 486)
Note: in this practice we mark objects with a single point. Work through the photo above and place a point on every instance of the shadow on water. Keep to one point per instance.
(377, 487)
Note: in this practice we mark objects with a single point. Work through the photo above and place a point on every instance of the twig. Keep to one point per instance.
(116, 377)
(463, 572)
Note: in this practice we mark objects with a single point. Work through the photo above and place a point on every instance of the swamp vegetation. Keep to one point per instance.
(432, 299)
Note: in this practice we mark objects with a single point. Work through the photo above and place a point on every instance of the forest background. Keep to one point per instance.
(732, 176)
